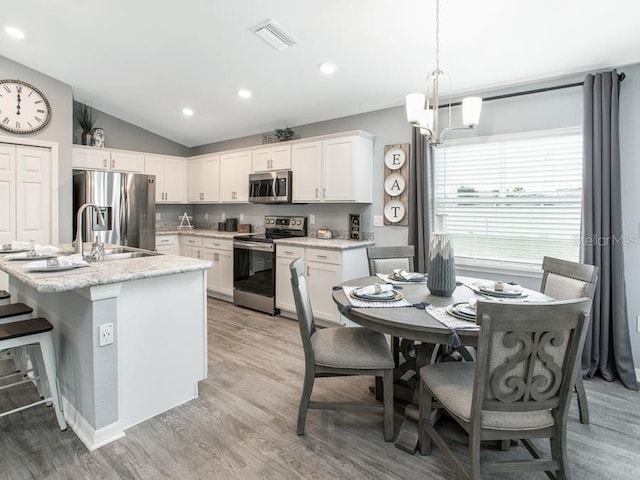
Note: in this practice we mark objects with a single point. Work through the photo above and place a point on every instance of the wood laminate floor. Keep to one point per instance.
(244, 422)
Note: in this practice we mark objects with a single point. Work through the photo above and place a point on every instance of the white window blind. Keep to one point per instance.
(512, 200)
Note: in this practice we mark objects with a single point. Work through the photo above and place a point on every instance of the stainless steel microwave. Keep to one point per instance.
(270, 187)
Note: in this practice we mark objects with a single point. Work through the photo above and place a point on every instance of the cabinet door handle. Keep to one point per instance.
(104, 162)
(288, 252)
(199, 253)
(317, 192)
(324, 192)
(215, 257)
(308, 271)
(113, 164)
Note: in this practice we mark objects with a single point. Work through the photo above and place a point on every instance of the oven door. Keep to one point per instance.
(254, 275)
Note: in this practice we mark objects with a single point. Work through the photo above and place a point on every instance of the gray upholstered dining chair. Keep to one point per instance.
(564, 280)
(387, 259)
(518, 388)
(339, 351)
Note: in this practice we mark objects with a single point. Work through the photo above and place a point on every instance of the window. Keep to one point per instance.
(512, 198)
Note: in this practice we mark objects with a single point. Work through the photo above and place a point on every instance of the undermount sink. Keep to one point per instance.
(124, 253)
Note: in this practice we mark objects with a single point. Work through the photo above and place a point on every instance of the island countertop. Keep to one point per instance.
(102, 273)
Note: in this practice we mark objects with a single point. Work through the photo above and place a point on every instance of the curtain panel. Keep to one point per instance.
(420, 199)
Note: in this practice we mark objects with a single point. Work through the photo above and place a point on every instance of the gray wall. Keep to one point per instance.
(59, 130)
(126, 136)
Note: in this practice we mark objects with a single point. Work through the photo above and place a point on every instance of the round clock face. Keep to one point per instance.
(23, 108)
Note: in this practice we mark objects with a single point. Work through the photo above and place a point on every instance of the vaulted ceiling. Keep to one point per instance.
(144, 61)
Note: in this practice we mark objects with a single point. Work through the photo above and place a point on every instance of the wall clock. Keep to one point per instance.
(23, 108)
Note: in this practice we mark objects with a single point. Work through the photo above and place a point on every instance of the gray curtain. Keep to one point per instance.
(607, 349)
(420, 198)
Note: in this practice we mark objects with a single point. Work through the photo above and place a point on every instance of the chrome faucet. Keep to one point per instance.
(78, 240)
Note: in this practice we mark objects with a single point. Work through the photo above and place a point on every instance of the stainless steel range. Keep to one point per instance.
(254, 262)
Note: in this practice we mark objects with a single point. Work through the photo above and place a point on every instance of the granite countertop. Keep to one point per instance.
(202, 233)
(329, 243)
(102, 273)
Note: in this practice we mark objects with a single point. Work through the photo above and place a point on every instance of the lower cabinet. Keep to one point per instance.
(169, 244)
(285, 254)
(191, 246)
(325, 268)
(220, 276)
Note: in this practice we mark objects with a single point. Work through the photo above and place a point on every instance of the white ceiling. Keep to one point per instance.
(144, 60)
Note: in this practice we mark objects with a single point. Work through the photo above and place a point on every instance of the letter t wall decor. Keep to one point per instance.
(396, 195)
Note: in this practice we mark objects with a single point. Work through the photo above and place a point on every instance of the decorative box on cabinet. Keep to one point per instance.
(171, 177)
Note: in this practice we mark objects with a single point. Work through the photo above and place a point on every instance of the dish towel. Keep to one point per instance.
(356, 302)
(15, 245)
(452, 323)
(74, 260)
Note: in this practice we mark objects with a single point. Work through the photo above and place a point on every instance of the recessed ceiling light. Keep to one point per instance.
(187, 112)
(244, 93)
(327, 68)
(14, 32)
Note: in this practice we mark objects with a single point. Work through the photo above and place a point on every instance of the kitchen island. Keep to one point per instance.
(157, 305)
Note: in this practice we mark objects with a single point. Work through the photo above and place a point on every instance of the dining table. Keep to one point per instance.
(427, 332)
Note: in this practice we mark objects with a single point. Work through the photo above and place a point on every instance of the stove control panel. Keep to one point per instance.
(285, 223)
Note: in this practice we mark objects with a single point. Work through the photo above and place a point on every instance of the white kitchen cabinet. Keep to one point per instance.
(333, 170)
(234, 176)
(220, 276)
(171, 177)
(168, 244)
(191, 246)
(204, 179)
(285, 254)
(323, 272)
(92, 158)
(274, 157)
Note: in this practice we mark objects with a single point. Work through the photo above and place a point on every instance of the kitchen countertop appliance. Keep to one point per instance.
(254, 262)
(270, 187)
(127, 202)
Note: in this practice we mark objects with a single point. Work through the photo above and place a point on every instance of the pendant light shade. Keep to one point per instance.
(471, 108)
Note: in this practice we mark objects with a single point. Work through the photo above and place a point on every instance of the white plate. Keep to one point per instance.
(388, 296)
(413, 277)
(463, 311)
(53, 268)
(501, 293)
(17, 250)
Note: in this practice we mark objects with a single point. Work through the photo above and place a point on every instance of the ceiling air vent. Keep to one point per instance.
(272, 33)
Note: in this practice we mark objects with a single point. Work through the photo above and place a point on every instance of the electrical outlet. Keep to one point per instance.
(638, 323)
(312, 219)
(223, 216)
(242, 217)
(106, 334)
(378, 221)
(158, 217)
(206, 216)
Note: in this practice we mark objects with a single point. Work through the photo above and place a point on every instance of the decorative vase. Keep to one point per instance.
(86, 138)
(98, 138)
(441, 280)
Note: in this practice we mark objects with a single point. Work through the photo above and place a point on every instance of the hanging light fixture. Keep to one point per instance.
(422, 109)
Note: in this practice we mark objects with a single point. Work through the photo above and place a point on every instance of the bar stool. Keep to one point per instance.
(5, 297)
(13, 312)
(36, 332)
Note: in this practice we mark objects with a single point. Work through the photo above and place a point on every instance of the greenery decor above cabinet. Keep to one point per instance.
(171, 177)
(335, 169)
(91, 158)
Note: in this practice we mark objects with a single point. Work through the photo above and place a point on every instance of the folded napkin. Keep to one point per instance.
(373, 289)
(39, 251)
(74, 260)
(15, 245)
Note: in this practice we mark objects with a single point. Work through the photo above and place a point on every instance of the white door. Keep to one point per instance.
(175, 179)
(33, 194)
(306, 164)
(225, 267)
(7, 193)
(212, 179)
(195, 180)
(155, 166)
(338, 171)
(321, 278)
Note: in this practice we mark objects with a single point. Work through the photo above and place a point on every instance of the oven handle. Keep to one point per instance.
(263, 247)
(273, 187)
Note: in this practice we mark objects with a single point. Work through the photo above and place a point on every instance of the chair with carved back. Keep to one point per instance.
(387, 259)
(519, 387)
(564, 280)
(340, 351)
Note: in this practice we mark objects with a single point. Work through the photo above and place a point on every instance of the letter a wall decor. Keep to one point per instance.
(396, 176)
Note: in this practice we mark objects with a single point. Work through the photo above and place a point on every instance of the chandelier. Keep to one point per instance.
(422, 109)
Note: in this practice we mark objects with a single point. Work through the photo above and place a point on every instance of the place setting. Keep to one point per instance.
(379, 295)
(56, 264)
(402, 277)
(35, 252)
(500, 290)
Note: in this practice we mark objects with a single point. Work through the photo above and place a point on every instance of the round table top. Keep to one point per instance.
(411, 322)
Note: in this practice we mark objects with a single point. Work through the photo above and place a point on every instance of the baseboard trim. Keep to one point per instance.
(93, 439)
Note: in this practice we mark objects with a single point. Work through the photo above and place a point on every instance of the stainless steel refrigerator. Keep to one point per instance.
(127, 201)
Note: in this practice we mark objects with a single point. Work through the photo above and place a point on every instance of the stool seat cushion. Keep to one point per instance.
(22, 328)
(14, 309)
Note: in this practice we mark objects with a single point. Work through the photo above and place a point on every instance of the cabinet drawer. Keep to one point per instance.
(287, 251)
(166, 240)
(217, 243)
(323, 256)
(191, 241)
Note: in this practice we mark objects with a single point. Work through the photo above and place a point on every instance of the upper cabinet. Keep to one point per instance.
(92, 158)
(171, 177)
(274, 157)
(337, 169)
(234, 176)
(204, 179)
